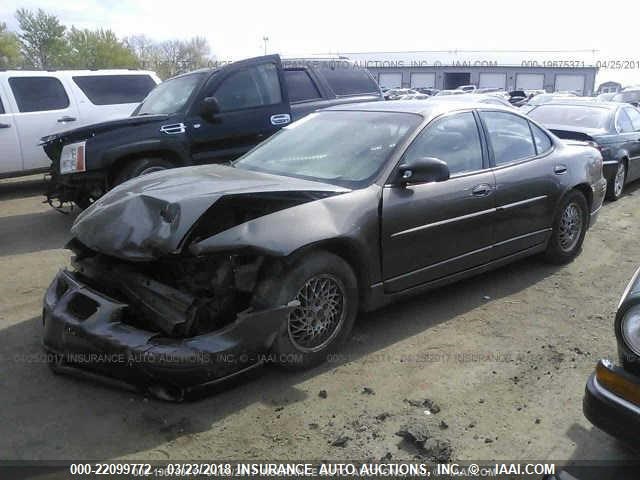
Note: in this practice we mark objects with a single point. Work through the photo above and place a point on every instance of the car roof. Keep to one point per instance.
(582, 103)
(427, 109)
(40, 73)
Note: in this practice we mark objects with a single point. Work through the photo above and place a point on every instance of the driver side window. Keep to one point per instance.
(251, 87)
(453, 139)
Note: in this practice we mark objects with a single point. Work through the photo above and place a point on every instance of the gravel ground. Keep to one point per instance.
(490, 368)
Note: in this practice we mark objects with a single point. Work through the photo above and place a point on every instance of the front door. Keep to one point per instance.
(42, 108)
(433, 230)
(253, 105)
(10, 156)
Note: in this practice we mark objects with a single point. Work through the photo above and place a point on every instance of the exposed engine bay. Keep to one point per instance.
(179, 296)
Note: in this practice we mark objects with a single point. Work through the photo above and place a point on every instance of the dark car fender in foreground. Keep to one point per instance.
(612, 393)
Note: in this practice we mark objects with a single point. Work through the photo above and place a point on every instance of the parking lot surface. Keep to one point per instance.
(492, 368)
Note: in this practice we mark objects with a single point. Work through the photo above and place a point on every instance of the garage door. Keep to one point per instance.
(425, 80)
(529, 81)
(570, 83)
(390, 80)
(493, 80)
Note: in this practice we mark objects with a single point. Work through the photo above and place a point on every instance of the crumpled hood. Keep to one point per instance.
(149, 216)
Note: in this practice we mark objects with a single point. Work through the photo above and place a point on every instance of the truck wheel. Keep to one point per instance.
(569, 229)
(327, 290)
(615, 186)
(141, 166)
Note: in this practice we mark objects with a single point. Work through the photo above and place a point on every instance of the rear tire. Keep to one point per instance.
(327, 289)
(569, 229)
(139, 167)
(615, 186)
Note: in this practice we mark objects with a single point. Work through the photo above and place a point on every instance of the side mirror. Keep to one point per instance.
(209, 107)
(423, 170)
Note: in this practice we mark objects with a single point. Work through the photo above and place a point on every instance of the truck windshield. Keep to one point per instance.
(170, 96)
(339, 147)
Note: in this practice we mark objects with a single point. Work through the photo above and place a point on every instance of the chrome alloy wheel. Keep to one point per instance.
(571, 224)
(319, 318)
(618, 181)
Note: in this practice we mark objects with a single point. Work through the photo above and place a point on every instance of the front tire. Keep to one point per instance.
(569, 229)
(139, 167)
(615, 186)
(327, 289)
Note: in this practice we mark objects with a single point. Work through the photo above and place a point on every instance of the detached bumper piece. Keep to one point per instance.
(86, 335)
(612, 402)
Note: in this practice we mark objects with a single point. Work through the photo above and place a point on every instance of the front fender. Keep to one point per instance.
(352, 217)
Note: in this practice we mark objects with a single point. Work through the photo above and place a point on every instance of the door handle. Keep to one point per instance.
(5, 125)
(481, 190)
(560, 169)
(66, 119)
(280, 119)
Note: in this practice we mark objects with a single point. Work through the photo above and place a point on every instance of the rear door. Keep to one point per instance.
(631, 137)
(42, 108)
(433, 230)
(253, 102)
(10, 156)
(527, 181)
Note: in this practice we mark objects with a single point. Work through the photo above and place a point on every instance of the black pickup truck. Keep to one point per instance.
(206, 116)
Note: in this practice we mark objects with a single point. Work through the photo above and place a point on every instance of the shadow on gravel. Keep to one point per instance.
(57, 417)
(33, 232)
(591, 441)
(28, 187)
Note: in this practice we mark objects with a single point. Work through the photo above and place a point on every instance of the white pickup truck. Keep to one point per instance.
(38, 103)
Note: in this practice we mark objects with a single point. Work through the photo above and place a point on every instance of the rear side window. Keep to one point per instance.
(38, 94)
(115, 89)
(634, 116)
(249, 88)
(541, 139)
(348, 80)
(1, 107)
(509, 135)
(623, 122)
(300, 86)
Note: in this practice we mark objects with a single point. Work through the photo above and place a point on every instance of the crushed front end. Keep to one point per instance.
(171, 327)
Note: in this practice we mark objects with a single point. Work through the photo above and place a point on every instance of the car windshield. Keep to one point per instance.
(572, 115)
(340, 147)
(170, 96)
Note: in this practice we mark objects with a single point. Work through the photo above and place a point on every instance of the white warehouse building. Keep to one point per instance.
(552, 71)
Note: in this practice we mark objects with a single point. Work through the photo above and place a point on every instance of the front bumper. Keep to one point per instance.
(612, 412)
(74, 186)
(84, 332)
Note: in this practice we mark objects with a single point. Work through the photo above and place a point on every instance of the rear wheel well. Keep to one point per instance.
(587, 192)
(121, 163)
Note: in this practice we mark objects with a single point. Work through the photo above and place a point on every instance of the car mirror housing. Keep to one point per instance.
(209, 107)
(422, 170)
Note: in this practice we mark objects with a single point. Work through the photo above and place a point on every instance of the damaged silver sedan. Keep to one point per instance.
(186, 278)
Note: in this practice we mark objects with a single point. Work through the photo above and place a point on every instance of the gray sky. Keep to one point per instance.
(235, 28)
